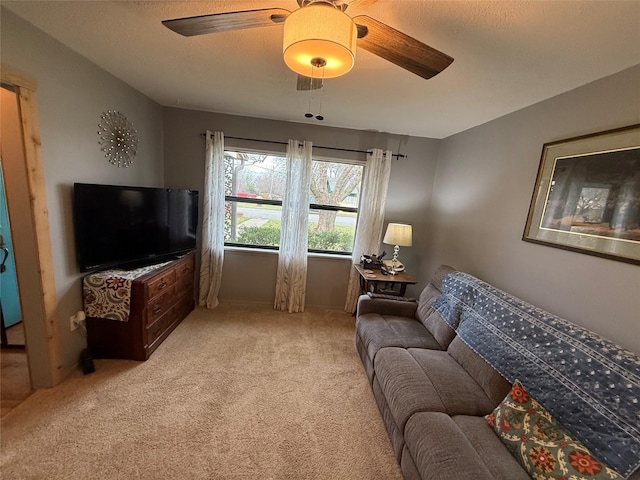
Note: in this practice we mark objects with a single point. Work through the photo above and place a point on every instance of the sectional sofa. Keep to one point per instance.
(473, 383)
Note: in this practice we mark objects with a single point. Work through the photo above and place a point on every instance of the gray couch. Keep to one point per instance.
(432, 390)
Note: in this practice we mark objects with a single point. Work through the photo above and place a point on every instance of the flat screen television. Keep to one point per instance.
(122, 226)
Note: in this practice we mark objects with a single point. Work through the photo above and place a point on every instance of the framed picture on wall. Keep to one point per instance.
(587, 195)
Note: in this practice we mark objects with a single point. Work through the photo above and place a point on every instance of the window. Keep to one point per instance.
(254, 188)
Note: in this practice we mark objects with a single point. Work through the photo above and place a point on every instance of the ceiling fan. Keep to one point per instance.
(320, 38)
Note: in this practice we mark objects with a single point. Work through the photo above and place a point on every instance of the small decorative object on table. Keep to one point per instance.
(372, 262)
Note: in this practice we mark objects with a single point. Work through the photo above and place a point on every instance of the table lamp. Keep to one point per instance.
(397, 234)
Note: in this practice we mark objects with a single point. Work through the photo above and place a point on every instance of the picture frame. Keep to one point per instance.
(587, 195)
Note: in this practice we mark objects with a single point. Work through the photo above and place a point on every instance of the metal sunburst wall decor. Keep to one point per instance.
(118, 138)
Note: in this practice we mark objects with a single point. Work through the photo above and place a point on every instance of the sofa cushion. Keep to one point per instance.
(364, 358)
(460, 447)
(420, 380)
(432, 320)
(540, 444)
(428, 295)
(409, 469)
(394, 433)
(440, 274)
(377, 331)
(493, 384)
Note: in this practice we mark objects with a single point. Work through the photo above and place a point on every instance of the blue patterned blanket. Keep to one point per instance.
(590, 385)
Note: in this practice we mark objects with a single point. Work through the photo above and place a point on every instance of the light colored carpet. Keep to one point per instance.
(242, 392)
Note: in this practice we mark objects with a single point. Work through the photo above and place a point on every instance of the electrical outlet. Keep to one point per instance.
(77, 320)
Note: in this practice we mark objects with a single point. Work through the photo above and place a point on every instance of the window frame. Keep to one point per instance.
(312, 206)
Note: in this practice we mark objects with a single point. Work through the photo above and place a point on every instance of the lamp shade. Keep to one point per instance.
(398, 234)
(319, 32)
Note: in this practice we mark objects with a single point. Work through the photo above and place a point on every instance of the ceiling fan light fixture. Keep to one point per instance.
(319, 31)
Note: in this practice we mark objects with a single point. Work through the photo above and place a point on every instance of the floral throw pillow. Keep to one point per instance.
(543, 448)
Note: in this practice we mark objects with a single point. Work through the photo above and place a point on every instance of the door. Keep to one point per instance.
(9, 294)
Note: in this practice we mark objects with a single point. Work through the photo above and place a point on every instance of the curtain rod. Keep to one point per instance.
(397, 155)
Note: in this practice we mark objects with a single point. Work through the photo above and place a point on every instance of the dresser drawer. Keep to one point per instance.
(185, 304)
(184, 283)
(185, 269)
(160, 305)
(159, 284)
(156, 329)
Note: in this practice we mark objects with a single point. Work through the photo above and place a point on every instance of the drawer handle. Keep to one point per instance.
(185, 270)
(162, 285)
(156, 309)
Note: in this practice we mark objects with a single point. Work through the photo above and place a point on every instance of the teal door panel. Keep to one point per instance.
(8, 280)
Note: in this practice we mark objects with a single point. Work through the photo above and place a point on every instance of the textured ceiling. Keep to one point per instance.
(508, 55)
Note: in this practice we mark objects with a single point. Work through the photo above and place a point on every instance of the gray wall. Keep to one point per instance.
(72, 94)
(483, 187)
(250, 276)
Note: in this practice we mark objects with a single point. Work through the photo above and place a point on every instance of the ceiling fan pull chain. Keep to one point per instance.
(319, 116)
(309, 114)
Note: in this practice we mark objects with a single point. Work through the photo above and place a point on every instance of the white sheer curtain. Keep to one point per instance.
(291, 281)
(212, 249)
(373, 197)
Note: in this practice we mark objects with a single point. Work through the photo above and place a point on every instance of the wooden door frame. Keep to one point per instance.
(25, 89)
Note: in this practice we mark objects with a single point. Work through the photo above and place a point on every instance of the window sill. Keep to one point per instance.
(243, 250)
(260, 251)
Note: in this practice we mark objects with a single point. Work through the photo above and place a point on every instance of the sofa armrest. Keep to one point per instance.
(384, 306)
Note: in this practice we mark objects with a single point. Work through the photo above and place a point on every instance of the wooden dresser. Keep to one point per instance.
(159, 301)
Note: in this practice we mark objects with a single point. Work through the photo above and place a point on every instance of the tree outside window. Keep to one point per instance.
(254, 188)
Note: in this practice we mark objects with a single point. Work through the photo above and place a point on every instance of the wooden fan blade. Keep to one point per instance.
(223, 22)
(308, 83)
(360, 3)
(401, 49)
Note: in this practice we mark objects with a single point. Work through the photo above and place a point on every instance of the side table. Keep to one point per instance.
(374, 281)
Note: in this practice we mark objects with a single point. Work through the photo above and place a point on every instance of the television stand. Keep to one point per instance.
(159, 301)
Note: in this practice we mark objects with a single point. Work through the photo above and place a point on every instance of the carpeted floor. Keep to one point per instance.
(242, 392)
